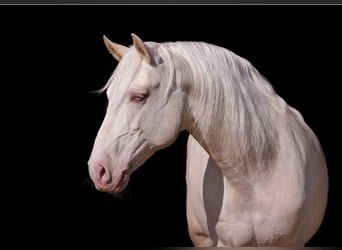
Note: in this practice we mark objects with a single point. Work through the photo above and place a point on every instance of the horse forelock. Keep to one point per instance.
(129, 67)
(125, 72)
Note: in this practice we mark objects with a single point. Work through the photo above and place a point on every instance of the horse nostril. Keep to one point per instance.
(103, 174)
(102, 171)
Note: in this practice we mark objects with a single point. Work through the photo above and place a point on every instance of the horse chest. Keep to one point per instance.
(234, 219)
(219, 211)
(222, 213)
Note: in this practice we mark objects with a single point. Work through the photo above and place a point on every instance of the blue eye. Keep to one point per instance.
(138, 97)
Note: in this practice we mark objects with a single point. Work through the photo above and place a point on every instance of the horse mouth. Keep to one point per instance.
(122, 184)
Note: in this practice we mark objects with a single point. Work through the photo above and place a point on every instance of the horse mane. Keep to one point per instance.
(242, 103)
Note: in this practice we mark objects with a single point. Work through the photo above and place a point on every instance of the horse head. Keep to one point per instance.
(144, 113)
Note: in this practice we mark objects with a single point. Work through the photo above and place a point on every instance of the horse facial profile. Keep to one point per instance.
(131, 131)
(255, 173)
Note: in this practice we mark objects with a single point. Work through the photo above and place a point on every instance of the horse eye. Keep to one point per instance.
(138, 98)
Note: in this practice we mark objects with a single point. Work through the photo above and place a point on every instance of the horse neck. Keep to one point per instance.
(237, 130)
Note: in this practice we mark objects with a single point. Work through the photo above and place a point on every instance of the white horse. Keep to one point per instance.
(256, 174)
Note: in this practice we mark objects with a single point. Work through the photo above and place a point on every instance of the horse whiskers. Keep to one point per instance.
(124, 194)
(87, 182)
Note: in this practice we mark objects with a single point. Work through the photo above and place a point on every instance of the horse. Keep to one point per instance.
(256, 173)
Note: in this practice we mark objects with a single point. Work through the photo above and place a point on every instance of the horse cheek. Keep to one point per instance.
(167, 123)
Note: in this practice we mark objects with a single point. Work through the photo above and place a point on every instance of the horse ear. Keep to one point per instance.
(117, 50)
(144, 51)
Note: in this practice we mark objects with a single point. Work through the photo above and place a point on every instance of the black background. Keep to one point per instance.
(52, 56)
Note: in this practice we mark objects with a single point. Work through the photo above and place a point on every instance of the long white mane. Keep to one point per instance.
(242, 103)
